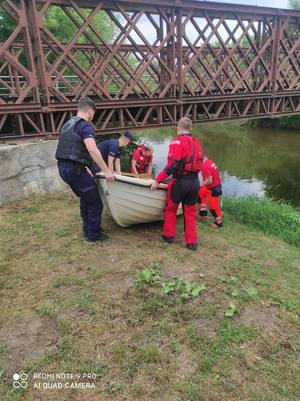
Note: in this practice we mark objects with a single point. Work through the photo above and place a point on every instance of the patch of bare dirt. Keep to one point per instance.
(186, 363)
(26, 340)
(118, 283)
(73, 316)
(52, 395)
(271, 264)
(205, 326)
(209, 263)
(263, 318)
(181, 270)
(85, 395)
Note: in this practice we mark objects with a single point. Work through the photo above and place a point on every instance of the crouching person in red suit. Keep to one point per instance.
(184, 163)
(142, 160)
(210, 192)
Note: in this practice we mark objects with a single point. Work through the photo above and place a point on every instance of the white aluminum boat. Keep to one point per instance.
(130, 200)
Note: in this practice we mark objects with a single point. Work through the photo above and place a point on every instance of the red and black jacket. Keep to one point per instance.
(184, 158)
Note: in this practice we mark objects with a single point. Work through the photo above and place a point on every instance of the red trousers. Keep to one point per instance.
(190, 211)
(213, 204)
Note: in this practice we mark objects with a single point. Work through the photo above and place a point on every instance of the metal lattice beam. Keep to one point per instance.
(160, 61)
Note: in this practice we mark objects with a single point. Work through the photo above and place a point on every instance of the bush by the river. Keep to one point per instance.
(285, 122)
(267, 215)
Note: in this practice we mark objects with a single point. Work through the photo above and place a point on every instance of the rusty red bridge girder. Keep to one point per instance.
(145, 63)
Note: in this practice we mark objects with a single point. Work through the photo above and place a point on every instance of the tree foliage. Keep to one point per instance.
(63, 26)
(7, 25)
(295, 4)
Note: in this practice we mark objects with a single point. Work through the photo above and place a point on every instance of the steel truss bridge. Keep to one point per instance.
(146, 63)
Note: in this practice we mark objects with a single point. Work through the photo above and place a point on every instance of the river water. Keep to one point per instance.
(252, 161)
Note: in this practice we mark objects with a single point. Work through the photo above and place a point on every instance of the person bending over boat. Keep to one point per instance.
(111, 152)
(210, 192)
(142, 160)
(184, 163)
(75, 152)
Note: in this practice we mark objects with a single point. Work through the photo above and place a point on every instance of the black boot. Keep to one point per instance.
(192, 247)
(101, 237)
(168, 240)
(220, 225)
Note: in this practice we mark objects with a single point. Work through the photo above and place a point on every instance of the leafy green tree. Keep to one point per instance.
(295, 4)
(7, 25)
(63, 23)
(63, 26)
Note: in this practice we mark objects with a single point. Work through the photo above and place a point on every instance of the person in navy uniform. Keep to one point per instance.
(76, 151)
(111, 151)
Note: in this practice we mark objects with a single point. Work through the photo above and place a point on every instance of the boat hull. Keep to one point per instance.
(130, 200)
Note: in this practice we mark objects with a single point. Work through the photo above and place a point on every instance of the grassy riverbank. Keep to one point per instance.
(71, 306)
(278, 219)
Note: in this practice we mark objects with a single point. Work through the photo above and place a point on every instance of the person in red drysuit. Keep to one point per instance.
(184, 163)
(210, 191)
(142, 159)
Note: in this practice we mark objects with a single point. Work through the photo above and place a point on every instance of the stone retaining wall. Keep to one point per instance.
(28, 169)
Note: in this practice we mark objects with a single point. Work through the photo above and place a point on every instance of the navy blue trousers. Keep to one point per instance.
(84, 186)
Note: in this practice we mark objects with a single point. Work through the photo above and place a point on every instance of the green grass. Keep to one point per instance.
(116, 308)
(271, 217)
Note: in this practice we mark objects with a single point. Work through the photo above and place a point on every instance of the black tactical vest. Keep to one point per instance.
(71, 146)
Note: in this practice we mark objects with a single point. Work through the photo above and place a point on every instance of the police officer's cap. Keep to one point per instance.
(128, 135)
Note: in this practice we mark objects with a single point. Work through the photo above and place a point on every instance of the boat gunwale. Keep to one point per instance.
(118, 179)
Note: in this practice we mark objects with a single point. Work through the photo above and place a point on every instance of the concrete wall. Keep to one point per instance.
(27, 169)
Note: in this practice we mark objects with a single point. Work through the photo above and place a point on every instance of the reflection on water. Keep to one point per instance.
(235, 186)
(251, 161)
